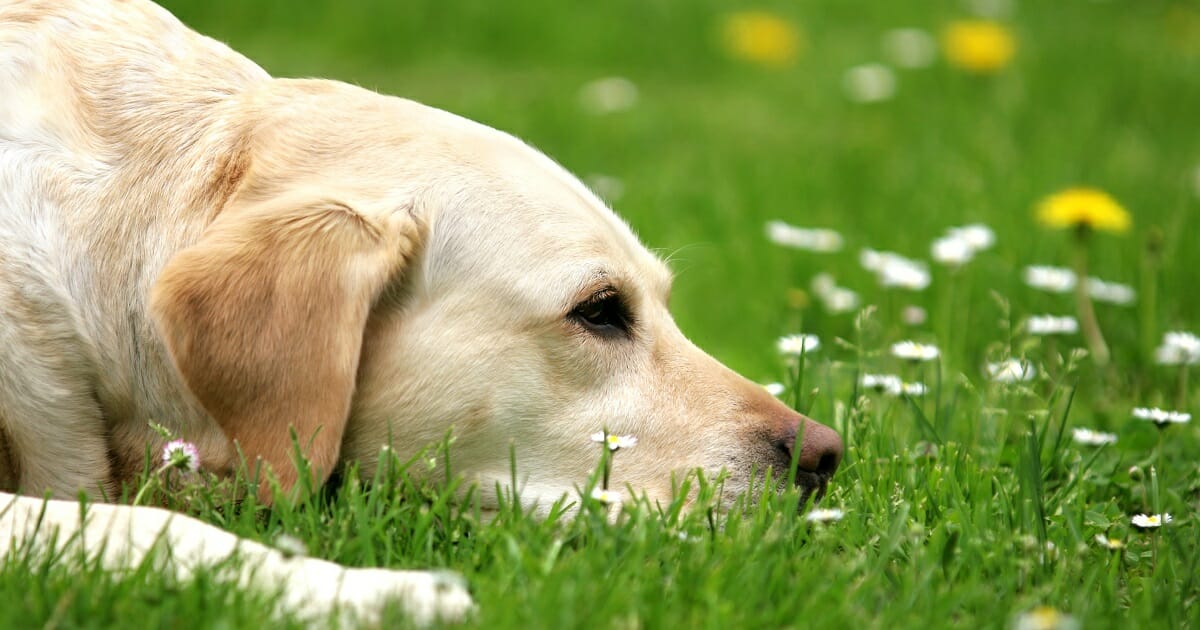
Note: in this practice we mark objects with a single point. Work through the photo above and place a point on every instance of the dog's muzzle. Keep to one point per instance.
(819, 456)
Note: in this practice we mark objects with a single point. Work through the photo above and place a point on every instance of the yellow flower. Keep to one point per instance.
(1083, 207)
(761, 37)
(978, 46)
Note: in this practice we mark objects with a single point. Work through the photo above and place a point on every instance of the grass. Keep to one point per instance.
(952, 499)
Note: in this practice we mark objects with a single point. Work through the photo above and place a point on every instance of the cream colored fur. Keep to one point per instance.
(186, 240)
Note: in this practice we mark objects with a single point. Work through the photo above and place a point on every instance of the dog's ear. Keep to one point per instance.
(264, 319)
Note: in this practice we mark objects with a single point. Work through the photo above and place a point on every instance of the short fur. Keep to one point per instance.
(188, 241)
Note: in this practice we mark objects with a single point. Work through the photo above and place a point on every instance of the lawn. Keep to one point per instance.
(968, 505)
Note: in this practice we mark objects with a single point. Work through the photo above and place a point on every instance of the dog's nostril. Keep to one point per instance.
(827, 465)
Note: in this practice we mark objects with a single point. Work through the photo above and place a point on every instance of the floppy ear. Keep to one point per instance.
(264, 319)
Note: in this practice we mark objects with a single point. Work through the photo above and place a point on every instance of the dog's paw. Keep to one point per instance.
(425, 596)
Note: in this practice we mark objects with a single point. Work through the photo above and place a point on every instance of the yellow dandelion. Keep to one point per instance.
(979, 46)
(761, 37)
(1083, 208)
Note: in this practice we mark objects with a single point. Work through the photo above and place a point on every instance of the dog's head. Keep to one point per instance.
(385, 272)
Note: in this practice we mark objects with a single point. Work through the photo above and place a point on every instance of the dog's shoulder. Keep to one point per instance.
(93, 73)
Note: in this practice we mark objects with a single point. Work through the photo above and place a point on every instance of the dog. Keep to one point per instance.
(242, 259)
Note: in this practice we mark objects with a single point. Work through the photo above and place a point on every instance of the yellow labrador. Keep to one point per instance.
(186, 240)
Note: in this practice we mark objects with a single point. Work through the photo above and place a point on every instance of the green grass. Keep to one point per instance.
(951, 498)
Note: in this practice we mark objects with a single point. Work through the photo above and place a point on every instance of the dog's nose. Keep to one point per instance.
(820, 447)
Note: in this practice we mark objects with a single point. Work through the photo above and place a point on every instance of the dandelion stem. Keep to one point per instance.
(1083, 302)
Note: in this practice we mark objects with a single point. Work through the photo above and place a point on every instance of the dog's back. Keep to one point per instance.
(99, 96)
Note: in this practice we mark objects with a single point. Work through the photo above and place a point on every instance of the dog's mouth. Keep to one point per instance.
(812, 487)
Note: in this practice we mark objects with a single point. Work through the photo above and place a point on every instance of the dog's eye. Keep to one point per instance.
(604, 313)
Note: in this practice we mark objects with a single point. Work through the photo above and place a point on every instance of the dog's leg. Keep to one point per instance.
(122, 537)
(53, 427)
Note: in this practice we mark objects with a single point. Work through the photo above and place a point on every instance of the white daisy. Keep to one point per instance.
(607, 187)
(822, 283)
(913, 315)
(905, 275)
(810, 239)
(913, 351)
(835, 299)
(608, 95)
(977, 235)
(1093, 438)
(795, 345)
(828, 515)
(1052, 325)
(840, 300)
(290, 546)
(908, 389)
(894, 270)
(952, 251)
(613, 441)
(1178, 348)
(1150, 521)
(607, 497)
(1011, 371)
(181, 454)
(909, 47)
(881, 382)
(1045, 618)
(1112, 544)
(869, 83)
(1161, 417)
(1052, 279)
(774, 389)
(1111, 292)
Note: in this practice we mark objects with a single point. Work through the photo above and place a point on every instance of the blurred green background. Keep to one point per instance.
(1104, 94)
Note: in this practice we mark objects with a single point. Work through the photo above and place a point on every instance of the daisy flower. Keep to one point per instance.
(613, 441)
(909, 47)
(1052, 325)
(839, 300)
(1052, 279)
(1011, 371)
(881, 382)
(810, 239)
(761, 37)
(908, 389)
(774, 389)
(608, 95)
(606, 187)
(913, 351)
(1093, 438)
(1111, 292)
(607, 497)
(1150, 521)
(1161, 417)
(905, 275)
(181, 454)
(796, 345)
(1178, 348)
(829, 515)
(1045, 618)
(1086, 208)
(1111, 544)
(894, 270)
(869, 83)
(977, 235)
(913, 315)
(952, 251)
(978, 46)
(835, 299)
